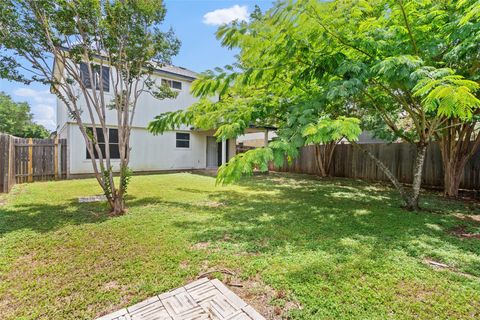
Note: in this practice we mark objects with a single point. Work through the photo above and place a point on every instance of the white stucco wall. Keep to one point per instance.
(148, 153)
(256, 136)
(147, 106)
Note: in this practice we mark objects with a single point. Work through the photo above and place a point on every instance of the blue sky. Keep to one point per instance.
(194, 22)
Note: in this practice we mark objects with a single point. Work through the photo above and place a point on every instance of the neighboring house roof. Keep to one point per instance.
(366, 137)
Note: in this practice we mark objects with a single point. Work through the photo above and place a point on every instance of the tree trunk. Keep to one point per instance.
(458, 143)
(452, 180)
(323, 157)
(320, 161)
(453, 168)
(412, 203)
(117, 205)
(405, 196)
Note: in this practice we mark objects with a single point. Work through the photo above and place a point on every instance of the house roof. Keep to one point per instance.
(165, 69)
(178, 71)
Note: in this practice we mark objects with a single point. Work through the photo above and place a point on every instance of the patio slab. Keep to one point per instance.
(198, 300)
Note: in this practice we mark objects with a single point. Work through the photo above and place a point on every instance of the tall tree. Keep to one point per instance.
(16, 119)
(93, 42)
(389, 66)
(460, 140)
(380, 61)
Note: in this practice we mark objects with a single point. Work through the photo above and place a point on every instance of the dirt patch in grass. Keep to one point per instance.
(211, 204)
(461, 231)
(415, 291)
(471, 218)
(8, 305)
(272, 304)
(201, 246)
(111, 285)
(442, 266)
(184, 265)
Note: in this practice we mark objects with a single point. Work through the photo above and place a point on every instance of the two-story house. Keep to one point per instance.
(184, 149)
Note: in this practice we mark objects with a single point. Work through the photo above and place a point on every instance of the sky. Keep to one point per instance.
(194, 22)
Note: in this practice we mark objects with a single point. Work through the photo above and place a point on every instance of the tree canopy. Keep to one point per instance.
(72, 44)
(402, 67)
(16, 119)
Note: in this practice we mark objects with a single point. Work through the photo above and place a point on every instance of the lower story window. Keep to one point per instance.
(112, 143)
(182, 140)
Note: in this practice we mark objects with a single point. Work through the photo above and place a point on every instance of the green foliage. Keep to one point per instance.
(283, 149)
(229, 116)
(214, 82)
(16, 119)
(107, 188)
(397, 70)
(448, 94)
(472, 10)
(88, 30)
(169, 121)
(125, 36)
(307, 66)
(160, 91)
(245, 164)
(125, 178)
(329, 130)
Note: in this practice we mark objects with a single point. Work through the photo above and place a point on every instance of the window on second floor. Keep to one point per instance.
(112, 143)
(101, 75)
(172, 84)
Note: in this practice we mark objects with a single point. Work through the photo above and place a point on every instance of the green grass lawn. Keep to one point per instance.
(302, 248)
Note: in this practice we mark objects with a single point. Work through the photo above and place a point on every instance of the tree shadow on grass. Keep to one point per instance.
(43, 217)
(287, 213)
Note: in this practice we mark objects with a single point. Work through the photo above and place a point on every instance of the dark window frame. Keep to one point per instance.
(173, 84)
(105, 74)
(182, 140)
(112, 142)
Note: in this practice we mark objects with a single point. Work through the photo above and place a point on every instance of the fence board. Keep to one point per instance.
(27, 160)
(350, 162)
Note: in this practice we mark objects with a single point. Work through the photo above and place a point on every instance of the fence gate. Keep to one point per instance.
(38, 159)
(28, 160)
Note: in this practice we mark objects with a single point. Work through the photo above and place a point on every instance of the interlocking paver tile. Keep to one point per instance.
(198, 300)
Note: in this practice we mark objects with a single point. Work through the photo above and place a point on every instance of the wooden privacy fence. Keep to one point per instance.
(27, 160)
(241, 148)
(350, 162)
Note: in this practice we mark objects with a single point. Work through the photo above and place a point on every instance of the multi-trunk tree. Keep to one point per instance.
(380, 61)
(389, 66)
(82, 49)
(459, 140)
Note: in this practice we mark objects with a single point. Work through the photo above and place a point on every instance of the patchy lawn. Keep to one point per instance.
(300, 248)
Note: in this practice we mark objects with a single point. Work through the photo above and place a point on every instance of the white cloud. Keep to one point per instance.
(39, 96)
(227, 15)
(42, 103)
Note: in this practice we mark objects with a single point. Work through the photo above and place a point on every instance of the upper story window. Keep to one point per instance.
(182, 140)
(112, 142)
(172, 84)
(101, 75)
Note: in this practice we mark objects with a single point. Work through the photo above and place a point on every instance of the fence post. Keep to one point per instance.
(30, 160)
(11, 163)
(55, 158)
(4, 156)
